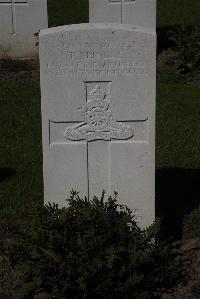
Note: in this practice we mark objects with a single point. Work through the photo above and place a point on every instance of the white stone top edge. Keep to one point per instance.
(91, 26)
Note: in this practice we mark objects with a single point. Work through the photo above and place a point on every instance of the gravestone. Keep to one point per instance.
(136, 12)
(98, 113)
(19, 21)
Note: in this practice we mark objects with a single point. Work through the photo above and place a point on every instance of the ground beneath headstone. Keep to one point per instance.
(19, 70)
(190, 258)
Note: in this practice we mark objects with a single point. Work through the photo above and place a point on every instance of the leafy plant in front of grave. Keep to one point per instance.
(92, 249)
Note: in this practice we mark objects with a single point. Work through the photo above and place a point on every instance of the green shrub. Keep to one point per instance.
(182, 61)
(92, 249)
(186, 42)
(168, 67)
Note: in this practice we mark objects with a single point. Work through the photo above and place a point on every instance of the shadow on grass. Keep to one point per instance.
(163, 41)
(6, 173)
(177, 194)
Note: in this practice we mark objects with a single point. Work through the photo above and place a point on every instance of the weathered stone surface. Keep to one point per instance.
(19, 21)
(98, 113)
(136, 12)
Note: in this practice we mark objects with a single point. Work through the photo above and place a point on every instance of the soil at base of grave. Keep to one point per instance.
(189, 254)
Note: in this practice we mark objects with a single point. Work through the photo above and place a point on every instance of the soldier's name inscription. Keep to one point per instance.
(98, 58)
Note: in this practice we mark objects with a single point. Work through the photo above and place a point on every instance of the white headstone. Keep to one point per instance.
(135, 12)
(19, 21)
(98, 113)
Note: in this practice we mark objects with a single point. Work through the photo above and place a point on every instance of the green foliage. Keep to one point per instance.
(92, 249)
(182, 61)
(187, 45)
(168, 67)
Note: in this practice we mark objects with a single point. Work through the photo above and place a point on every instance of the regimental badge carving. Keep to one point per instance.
(99, 124)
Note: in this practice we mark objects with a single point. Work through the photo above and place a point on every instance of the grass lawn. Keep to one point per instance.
(63, 12)
(175, 12)
(177, 156)
(178, 143)
(178, 126)
(20, 150)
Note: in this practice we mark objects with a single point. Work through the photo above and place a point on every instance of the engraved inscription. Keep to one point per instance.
(93, 56)
(99, 124)
(112, 68)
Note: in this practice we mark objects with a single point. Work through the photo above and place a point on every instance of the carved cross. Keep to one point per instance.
(98, 131)
(122, 3)
(13, 4)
